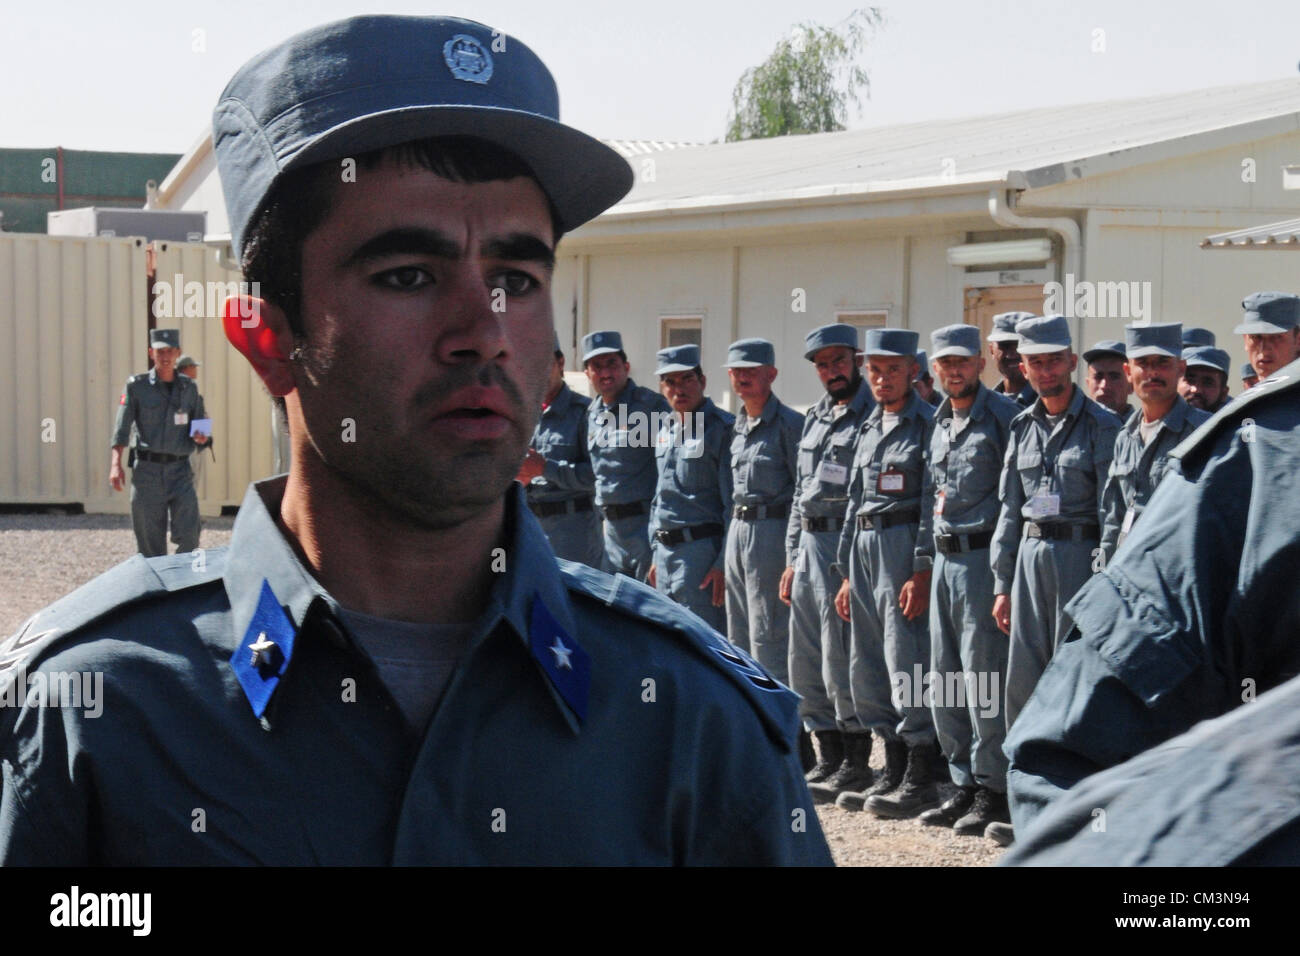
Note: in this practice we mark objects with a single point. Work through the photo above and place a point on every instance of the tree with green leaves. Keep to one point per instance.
(807, 83)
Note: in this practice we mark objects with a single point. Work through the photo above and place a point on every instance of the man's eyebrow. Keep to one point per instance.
(405, 241)
(521, 247)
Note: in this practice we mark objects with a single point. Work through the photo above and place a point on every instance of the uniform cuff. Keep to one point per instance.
(922, 562)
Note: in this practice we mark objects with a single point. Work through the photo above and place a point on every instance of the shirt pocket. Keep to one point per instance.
(151, 415)
(904, 460)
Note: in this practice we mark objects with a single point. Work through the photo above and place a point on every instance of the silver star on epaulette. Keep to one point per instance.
(261, 649)
(562, 654)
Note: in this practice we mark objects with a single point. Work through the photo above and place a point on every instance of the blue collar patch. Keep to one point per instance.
(263, 655)
(567, 665)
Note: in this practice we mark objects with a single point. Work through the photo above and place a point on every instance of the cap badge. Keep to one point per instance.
(467, 59)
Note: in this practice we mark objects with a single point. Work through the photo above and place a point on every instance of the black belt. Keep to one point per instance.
(159, 457)
(827, 523)
(960, 543)
(757, 512)
(694, 533)
(1062, 532)
(614, 512)
(888, 520)
(547, 509)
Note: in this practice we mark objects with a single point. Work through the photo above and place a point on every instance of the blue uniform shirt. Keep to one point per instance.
(148, 404)
(620, 441)
(1136, 469)
(694, 473)
(561, 438)
(1070, 461)
(1198, 612)
(764, 454)
(830, 432)
(960, 491)
(888, 470)
(197, 755)
(1024, 398)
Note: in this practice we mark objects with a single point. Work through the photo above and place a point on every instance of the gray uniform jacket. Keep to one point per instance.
(830, 433)
(1070, 461)
(304, 758)
(152, 408)
(764, 454)
(561, 438)
(874, 488)
(694, 474)
(620, 441)
(1198, 612)
(965, 469)
(1137, 469)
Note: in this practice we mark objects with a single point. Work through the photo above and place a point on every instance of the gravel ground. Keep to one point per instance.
(45, 556)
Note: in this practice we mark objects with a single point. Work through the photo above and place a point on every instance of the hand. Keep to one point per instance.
(531, 468)
(1002, 612)
(787, 583)
(842, 600)
(116, 477)
(650, 578)
(914, 598)
(719, 582)
(200, 438)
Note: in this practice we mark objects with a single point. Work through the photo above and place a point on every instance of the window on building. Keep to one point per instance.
(680, 330)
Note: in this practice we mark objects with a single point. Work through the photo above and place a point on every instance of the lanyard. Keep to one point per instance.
(1050, 464)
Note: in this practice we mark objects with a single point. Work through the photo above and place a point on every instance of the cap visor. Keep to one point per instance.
(952, 350)
(1145, 350)
(669, 369)
(1256, 326)
(603, 350)
(742, 365)
(884, 354)
(1003, 337)
(1034, 349)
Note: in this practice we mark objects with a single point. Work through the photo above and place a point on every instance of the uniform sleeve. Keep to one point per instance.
(1112, 511)
(724, 483)
(795, 526)
(576, 475)
(125, 417)
(1006, 539)
(1103, 454)
(845, 548)
(923, 556)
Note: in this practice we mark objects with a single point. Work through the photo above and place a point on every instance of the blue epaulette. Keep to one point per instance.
(776, 704)
(1284, 380)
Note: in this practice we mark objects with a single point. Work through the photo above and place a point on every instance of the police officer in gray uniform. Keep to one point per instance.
(623, 420)
(387, 641)
(557, 472)
(925, 381)
(692, 503)
(819, 639)
(1204, 384)
(1106, 380)
(158, 407)
(1270, 331)
(886, 594)
(1004, 349)
(1196, 615)
(1142, 447)
(764, 455)
(959, 509)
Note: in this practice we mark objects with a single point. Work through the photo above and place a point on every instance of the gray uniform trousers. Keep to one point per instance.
(679, 568)
(759, 619)
(868, 671)
(158, 490)
(964, 638)
(575, 536)
(627, 546)
(1048, 573)
(819, 638)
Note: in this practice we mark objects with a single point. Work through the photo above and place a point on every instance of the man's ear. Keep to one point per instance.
(260, 331)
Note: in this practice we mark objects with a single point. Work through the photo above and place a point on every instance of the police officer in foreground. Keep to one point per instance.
(1196, 615)
(819, 638)
(1204, 384)
(388, 641)
(886, 592)
(1270, 330)
(1142, 447)
(692, 503)
(623, 420)
(959, 510)
(764, 453)
(1195, 337)
(1107, 382)
(158, 406)
(1004, 350)
(557, 473)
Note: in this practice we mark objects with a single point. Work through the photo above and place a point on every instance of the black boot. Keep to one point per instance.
(854, 772)
(890, 777)
(830, 754)
(989, 807)
(916, 793)
(957, 807)
(807, 759)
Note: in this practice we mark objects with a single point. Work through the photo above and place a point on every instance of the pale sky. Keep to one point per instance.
(126, 76)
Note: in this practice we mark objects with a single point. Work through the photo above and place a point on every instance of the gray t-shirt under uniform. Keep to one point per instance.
(415, 661)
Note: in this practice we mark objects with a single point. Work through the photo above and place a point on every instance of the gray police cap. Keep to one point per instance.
(1208, 356)
(1194, 337)
(600, 343)
(185, 361)
(1248, 371)
(1269, 313)
(165, 339)
(1164, 338)
(678, 358)
(836, 334)
(1004, 326)
(370, 82)
(1106, 348)
(891, 342)
(750, 353)
(1040, 334)
(958, 340)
